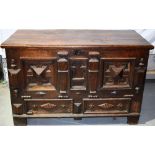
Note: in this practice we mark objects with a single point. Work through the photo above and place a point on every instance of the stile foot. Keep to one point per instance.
(132, 120)
(20, 121)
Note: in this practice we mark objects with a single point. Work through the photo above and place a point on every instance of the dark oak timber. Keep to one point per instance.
(20, 121)
(76, 73)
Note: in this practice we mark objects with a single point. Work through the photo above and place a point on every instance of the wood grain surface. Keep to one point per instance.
(72, 38)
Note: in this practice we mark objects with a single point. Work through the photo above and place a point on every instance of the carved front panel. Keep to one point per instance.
(40, 75)
(49, 106)
(118, 73)
(51, 83)
(78, 73)
(113, 105)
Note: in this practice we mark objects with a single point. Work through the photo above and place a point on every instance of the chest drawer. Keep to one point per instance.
(112, 105)
(49, 106)
(117, 93)
(39, 94)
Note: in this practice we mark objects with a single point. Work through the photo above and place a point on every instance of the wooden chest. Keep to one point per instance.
(76, 73)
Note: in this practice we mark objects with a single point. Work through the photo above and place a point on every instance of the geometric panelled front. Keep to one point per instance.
(75, 84)
(118, 73)
(51, 85)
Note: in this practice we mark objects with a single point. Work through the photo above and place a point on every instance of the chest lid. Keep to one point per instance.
(76, 38)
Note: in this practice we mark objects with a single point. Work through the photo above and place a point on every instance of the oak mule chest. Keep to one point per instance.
(76, 73)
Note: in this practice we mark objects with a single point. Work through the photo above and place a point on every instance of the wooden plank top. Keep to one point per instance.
(76, 38)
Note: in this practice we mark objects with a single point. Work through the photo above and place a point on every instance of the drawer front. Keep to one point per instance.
(117, 93)
(112, 105)
(39, 94)
(49, 106)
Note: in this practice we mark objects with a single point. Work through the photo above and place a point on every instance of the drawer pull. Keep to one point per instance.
(40, 93)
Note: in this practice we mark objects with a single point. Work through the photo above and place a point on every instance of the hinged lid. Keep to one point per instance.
(76, 38)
